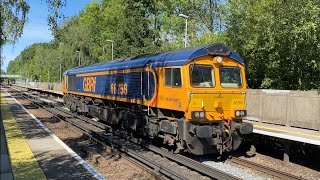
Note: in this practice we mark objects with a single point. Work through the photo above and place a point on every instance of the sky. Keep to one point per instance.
(37, 29)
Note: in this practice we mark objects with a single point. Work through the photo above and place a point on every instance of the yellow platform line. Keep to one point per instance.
(23, 163)
(286, 131)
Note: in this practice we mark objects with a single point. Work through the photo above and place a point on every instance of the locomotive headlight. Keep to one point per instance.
(240, 113)
(219, 59)
(197, 114)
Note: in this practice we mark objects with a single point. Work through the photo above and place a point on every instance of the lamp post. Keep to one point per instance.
(79, 57)
(185, 34)
(48, 76)
(60, 69)
(108, 40)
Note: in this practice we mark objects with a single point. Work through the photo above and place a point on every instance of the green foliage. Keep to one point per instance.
(279, 40)
(12, 20)
(55, 14)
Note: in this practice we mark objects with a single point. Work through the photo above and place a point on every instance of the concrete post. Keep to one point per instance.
(319, 111)
(260, 106)
(286, 155)
(253, 149)
(288, 108)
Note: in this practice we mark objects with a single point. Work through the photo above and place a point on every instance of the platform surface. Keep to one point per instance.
(5, 164)
(34, 153)
(46, 90)
(285, 132)
(20, 157)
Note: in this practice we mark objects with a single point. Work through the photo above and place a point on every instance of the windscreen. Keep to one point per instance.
(201, 75)
(230, 77)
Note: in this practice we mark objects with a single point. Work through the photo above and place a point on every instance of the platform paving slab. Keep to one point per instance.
(54, 160)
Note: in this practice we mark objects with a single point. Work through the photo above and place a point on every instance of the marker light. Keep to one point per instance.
(219, 59)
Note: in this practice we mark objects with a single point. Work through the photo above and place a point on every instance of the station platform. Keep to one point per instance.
(39, 89)
(286, 135)
(30, 151)
(60, 100)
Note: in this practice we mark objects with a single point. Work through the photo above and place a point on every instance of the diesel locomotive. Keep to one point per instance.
(192, 99)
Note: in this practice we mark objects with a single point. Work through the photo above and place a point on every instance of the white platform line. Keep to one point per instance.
(289, 137)
(70, 151)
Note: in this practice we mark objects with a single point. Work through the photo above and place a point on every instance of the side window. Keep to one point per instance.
(167, 77)
(119, 79)
(71, 86)
(172, 77)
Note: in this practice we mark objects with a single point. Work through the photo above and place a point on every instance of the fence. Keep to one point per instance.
(290, 108)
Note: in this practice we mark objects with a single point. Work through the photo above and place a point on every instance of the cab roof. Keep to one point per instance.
(177, 57)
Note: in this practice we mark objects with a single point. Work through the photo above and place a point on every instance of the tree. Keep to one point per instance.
(55, 14)
(279, 40)
(12, 20)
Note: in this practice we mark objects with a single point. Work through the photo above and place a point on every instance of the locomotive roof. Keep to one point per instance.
(177, 57)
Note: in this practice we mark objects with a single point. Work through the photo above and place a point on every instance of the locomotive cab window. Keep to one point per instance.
(230, 77)
(173, 77)
(201, 75)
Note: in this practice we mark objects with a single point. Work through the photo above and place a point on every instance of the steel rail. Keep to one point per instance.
(265, 169)
(193, 164)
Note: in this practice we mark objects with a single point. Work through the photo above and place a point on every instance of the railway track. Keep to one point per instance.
(265, 169)
(133, 147)
(180, 159)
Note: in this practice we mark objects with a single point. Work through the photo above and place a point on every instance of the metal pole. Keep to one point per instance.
(60, 72)
(112, 50)
(186, 30)
(79, 59)
(108, 40)
(104, 52)
(185, 35)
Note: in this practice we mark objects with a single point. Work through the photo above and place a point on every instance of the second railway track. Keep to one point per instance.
(265, 169)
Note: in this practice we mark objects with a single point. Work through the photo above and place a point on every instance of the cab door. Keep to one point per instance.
(172, 89)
